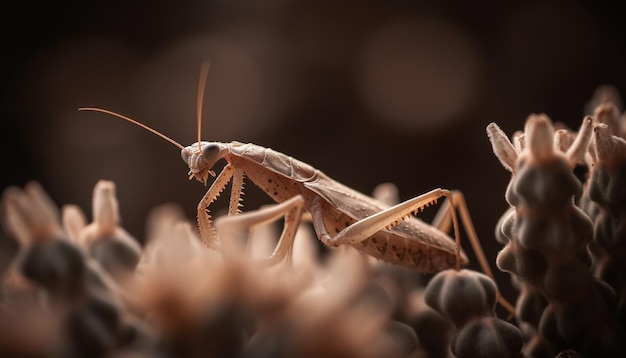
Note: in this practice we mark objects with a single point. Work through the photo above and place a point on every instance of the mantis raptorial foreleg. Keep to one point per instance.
(236, 192)
(235, 229)
(207, 232)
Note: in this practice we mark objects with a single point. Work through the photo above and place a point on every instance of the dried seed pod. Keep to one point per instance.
(30, 215)
(400, 339)
(56, 265)
(104, 239)
(461, 295)
(468, 299)
(115, 256)
(434, 333)
(488, 337)
(92, 328)
(405, 293)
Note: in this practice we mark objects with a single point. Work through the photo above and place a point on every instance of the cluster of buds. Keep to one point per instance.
(566, 299)
(78, 289)
(468, 299)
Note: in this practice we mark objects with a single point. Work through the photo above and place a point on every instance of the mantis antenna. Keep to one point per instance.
(153, 131)
(204, 73)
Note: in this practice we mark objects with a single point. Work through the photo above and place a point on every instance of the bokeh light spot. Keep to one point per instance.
(418, 73)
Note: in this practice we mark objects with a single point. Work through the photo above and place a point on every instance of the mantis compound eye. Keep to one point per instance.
(210, 151)
(185, 155)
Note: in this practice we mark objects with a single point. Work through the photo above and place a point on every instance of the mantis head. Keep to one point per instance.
(201, 157)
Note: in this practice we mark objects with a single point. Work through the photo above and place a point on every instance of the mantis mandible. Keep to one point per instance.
(339, 214)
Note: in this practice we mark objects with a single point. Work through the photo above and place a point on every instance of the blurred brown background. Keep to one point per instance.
(367, 91)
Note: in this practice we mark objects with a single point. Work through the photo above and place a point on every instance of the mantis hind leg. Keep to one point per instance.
(442, 222)
(235, 229)
(368, 226)
(387, 193)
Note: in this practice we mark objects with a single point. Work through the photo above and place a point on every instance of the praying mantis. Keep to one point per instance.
(339, 214)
